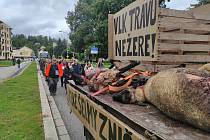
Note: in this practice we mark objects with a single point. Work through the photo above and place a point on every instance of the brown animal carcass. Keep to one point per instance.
(182, 94)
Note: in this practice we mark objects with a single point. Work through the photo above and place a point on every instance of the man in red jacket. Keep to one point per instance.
(53, 72)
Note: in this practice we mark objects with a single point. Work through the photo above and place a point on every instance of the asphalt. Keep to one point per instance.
(12, 71)
(72, 123)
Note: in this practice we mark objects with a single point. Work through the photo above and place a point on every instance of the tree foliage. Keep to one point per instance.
(88, 23)
(36, 42)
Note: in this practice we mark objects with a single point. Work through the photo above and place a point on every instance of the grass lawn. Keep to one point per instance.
(5, 63)
(106, 64)
(20, 107)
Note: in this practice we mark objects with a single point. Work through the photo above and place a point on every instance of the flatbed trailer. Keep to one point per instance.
(106, 119)
(159, 38)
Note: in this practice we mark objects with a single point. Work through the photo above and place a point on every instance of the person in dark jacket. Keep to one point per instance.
(77, 75)
(53, 72)
(18, 62)
(67, 74)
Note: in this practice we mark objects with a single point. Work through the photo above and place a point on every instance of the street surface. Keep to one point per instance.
(73, 125)
(7, 72)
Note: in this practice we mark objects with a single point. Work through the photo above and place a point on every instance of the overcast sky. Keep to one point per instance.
(47, 17)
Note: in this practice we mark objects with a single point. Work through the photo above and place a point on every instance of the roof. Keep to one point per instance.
(1, 22)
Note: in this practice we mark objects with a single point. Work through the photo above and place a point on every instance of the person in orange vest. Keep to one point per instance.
(53, 72)
(61, 64)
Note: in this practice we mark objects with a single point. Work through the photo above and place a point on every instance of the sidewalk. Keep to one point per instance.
(54, 127)
(8, 72)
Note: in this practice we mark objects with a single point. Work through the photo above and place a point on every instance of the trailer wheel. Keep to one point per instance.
(87, 134)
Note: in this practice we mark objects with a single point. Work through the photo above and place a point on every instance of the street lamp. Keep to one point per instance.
(67, 49)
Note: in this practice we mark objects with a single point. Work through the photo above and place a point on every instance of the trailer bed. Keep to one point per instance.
(146, 119)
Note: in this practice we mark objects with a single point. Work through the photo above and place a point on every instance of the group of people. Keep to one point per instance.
(65, 71)
(14, 61)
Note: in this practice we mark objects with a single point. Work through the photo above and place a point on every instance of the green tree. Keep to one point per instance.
(88, 23)
(35, 42)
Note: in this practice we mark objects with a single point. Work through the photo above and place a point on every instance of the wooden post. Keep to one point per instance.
(110, 36)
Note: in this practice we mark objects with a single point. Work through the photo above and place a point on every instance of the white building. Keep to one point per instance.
(24, 52)
(5, 41)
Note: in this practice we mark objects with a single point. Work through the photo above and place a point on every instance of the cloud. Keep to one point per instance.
(34, 17)
(47, 17)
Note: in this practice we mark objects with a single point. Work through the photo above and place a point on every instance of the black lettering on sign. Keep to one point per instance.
(123, 47)
(129, 53)
(124, 23)
(153, 43)
(89, 113)
(79, 103)
(94, 115)
(104, 120)
(147, 38)
(118, 49)
(75, 100)
(119, 23)
(119, 133)
(140, 17)
(148, 12)
(142, 22)
(153, 16)
(137, 12)
(127, 135)
(131, 13)
(115, 24)
(141, 43)
(134, 46)
(83, 108)
(112, 131)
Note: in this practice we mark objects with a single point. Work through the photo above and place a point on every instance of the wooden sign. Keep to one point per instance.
(133, 31)
(101, 124)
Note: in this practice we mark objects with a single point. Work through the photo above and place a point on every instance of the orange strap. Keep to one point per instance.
(114, 88)
(144, 73)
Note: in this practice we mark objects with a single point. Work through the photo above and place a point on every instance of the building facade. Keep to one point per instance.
(5, 41)
(23, 53)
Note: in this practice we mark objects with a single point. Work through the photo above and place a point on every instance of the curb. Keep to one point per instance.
(49, 126)
(52, 114)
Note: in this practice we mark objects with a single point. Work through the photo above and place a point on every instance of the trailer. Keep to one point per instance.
(108, 120)
(159, 39)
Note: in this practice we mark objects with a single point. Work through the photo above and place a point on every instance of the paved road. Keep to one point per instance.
(7, 72)
(73, 125)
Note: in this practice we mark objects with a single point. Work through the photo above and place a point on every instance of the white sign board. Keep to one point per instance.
(134, 31)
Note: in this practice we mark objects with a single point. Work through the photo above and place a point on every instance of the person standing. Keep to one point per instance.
(53, 72)
(67, 74)
(61, 64)
(18, 62)
(100, 64)
(13, 61)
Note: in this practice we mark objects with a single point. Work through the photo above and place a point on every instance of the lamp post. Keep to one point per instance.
(67, 49)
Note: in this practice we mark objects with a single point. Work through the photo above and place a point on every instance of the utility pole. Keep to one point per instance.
(67, 48)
